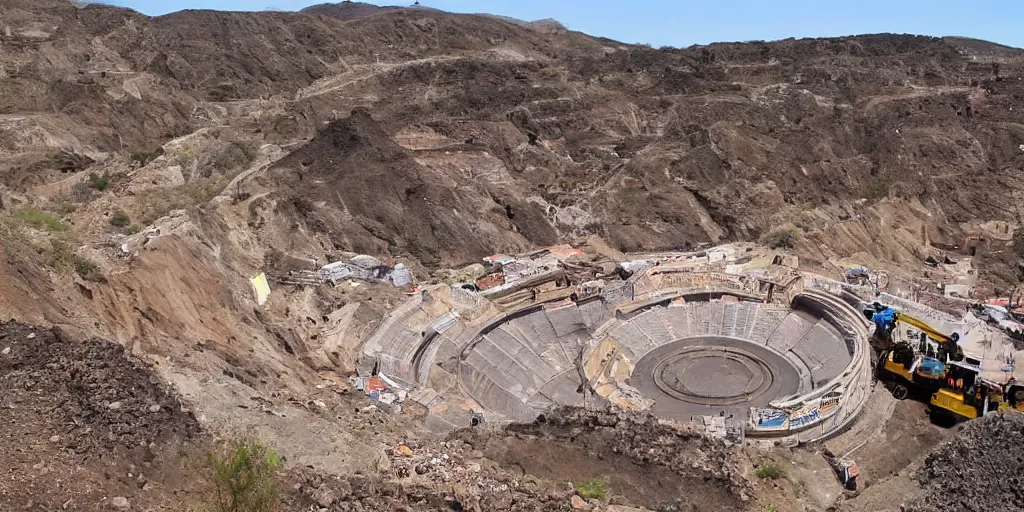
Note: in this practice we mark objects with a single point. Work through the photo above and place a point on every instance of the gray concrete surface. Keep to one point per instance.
(733, 376)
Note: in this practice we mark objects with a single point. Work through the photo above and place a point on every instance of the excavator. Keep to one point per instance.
(933, 364)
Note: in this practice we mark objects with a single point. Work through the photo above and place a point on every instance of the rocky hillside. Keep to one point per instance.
(647, 147)
(878, 143)
(346, 10)
(150, 166)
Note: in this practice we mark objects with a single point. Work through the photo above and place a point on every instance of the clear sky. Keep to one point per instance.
(686, 22)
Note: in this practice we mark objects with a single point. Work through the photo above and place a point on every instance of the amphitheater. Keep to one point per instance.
(775, 353)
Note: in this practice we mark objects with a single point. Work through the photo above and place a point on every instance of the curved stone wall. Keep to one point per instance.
(836, 402)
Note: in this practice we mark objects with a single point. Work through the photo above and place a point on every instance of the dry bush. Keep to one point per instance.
(86, 269)
(120, 219)
(156, 203)
(141, 157)
(784, 237)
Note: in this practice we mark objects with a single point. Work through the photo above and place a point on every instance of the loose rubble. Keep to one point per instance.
(978, 470)
(86, 426)
(105, 398)
(420, 490)
(456, 475)
(445, 475)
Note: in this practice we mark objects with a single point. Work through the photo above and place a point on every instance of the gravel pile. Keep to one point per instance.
(979, 470)
(91, 394)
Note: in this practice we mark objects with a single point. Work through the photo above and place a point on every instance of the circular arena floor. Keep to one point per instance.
(710, 375)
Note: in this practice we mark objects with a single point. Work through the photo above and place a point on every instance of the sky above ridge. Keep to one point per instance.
(686, 22)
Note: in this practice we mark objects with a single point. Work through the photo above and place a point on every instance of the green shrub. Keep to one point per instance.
(40, 219)
(120, 219)
(133, 229)
(243, 478)
(88, 270)
(771, 507)
(141, 157)
(877, 191)
(99, 181)
(771, 471)
(61, 255)
(592, 489)
(782, 237)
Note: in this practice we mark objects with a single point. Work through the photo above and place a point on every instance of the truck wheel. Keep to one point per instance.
(900, 392)
(942, 418)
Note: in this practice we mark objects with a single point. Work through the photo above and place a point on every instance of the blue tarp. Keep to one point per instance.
(884, 319)
(932, 367)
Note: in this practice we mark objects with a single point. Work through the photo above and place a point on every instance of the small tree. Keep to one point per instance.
(242, 476)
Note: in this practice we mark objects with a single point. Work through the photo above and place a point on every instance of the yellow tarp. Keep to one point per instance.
(260, 288)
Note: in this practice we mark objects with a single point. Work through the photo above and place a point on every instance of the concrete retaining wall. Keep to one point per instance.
(829, 408)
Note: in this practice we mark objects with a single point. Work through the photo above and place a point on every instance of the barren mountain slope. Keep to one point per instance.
(355, 183)
(346, 10)
(649, 148)
(878, 143)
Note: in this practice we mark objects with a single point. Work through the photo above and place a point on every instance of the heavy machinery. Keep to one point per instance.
(916, 357)
(907, 371)
(915, 360)
(967, 395)
(945, 345)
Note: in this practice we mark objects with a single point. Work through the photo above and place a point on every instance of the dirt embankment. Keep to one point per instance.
(645, 462)
(541, 466)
